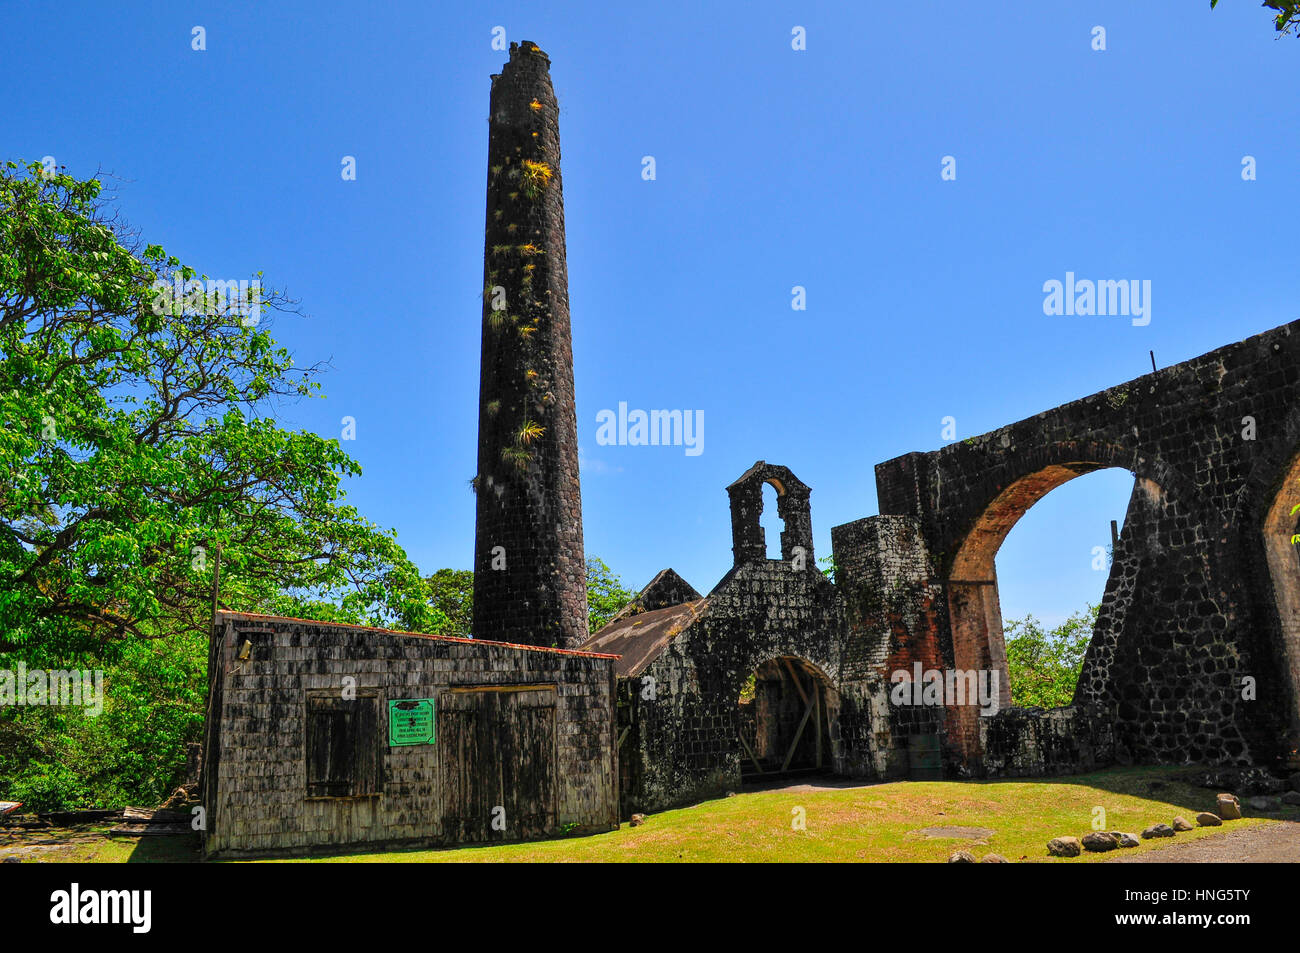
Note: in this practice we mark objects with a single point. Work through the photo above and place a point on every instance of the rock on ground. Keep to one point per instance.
(1064, 847)
(1099, 842)
(1229, 808)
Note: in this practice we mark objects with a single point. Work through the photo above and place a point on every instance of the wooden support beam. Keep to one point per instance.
(797, 735)
(817, 719)
(797, 683)
(749, 751)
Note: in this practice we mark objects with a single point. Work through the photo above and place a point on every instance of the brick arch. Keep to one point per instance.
(974, 604)
(970, 579)
(1014, 478)
(1272, 492)
(975, 614)
(1172, 640)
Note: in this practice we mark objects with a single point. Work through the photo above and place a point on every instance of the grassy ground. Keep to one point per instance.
(874, 823)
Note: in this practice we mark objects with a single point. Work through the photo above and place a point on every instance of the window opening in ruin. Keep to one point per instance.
(770, 520)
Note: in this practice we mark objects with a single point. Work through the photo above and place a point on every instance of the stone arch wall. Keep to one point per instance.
(1191, 606)
(690, 747)
(1117, 679)
(1162, 666)
(807, 723)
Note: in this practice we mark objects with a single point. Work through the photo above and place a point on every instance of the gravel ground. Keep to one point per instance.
(1271, 844)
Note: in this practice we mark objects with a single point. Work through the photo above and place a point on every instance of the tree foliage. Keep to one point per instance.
(137, 436)
(55, 758)
(1044, 665)
(606, 594)
(1286, 18)
(451, 592)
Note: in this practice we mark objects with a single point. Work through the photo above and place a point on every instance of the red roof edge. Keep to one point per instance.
(419, 635)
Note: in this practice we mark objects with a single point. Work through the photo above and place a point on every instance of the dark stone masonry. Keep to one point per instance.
(1203, 589)
(1196, 653)
(310, 748)
(322, 735)
(530, 578)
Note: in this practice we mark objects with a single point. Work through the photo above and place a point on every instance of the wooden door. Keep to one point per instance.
(498, 762)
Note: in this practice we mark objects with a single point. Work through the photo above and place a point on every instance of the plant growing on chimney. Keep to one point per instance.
(536, 176)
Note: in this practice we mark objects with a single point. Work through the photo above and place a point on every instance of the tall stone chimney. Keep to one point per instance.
(529, 573)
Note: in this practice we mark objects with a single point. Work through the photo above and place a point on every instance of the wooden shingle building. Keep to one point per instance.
(323, 736)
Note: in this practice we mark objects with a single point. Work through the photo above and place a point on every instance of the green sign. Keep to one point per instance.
(410, 721)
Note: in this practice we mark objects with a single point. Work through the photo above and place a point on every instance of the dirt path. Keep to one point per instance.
(48, 844)
(1271, 844)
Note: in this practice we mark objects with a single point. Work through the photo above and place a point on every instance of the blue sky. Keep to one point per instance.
(775, 168)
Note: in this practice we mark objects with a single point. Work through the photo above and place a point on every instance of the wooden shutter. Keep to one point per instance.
(343, 746)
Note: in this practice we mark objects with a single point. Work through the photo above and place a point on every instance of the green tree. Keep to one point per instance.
(137, 438)
(1286, 18)
(133, 752)
(606, 594)
(452, 594)
(1044, 665)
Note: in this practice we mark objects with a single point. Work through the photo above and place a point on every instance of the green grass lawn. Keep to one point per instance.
(874, 823)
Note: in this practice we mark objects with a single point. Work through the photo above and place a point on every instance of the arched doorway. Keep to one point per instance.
(1281, 526)
(787, 710)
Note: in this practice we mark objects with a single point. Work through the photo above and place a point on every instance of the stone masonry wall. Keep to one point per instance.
(1189, 610)
(687, 733)
(530, 580)
(255, 782)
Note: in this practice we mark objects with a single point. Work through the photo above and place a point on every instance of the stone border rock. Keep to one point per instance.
(1227, 806)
